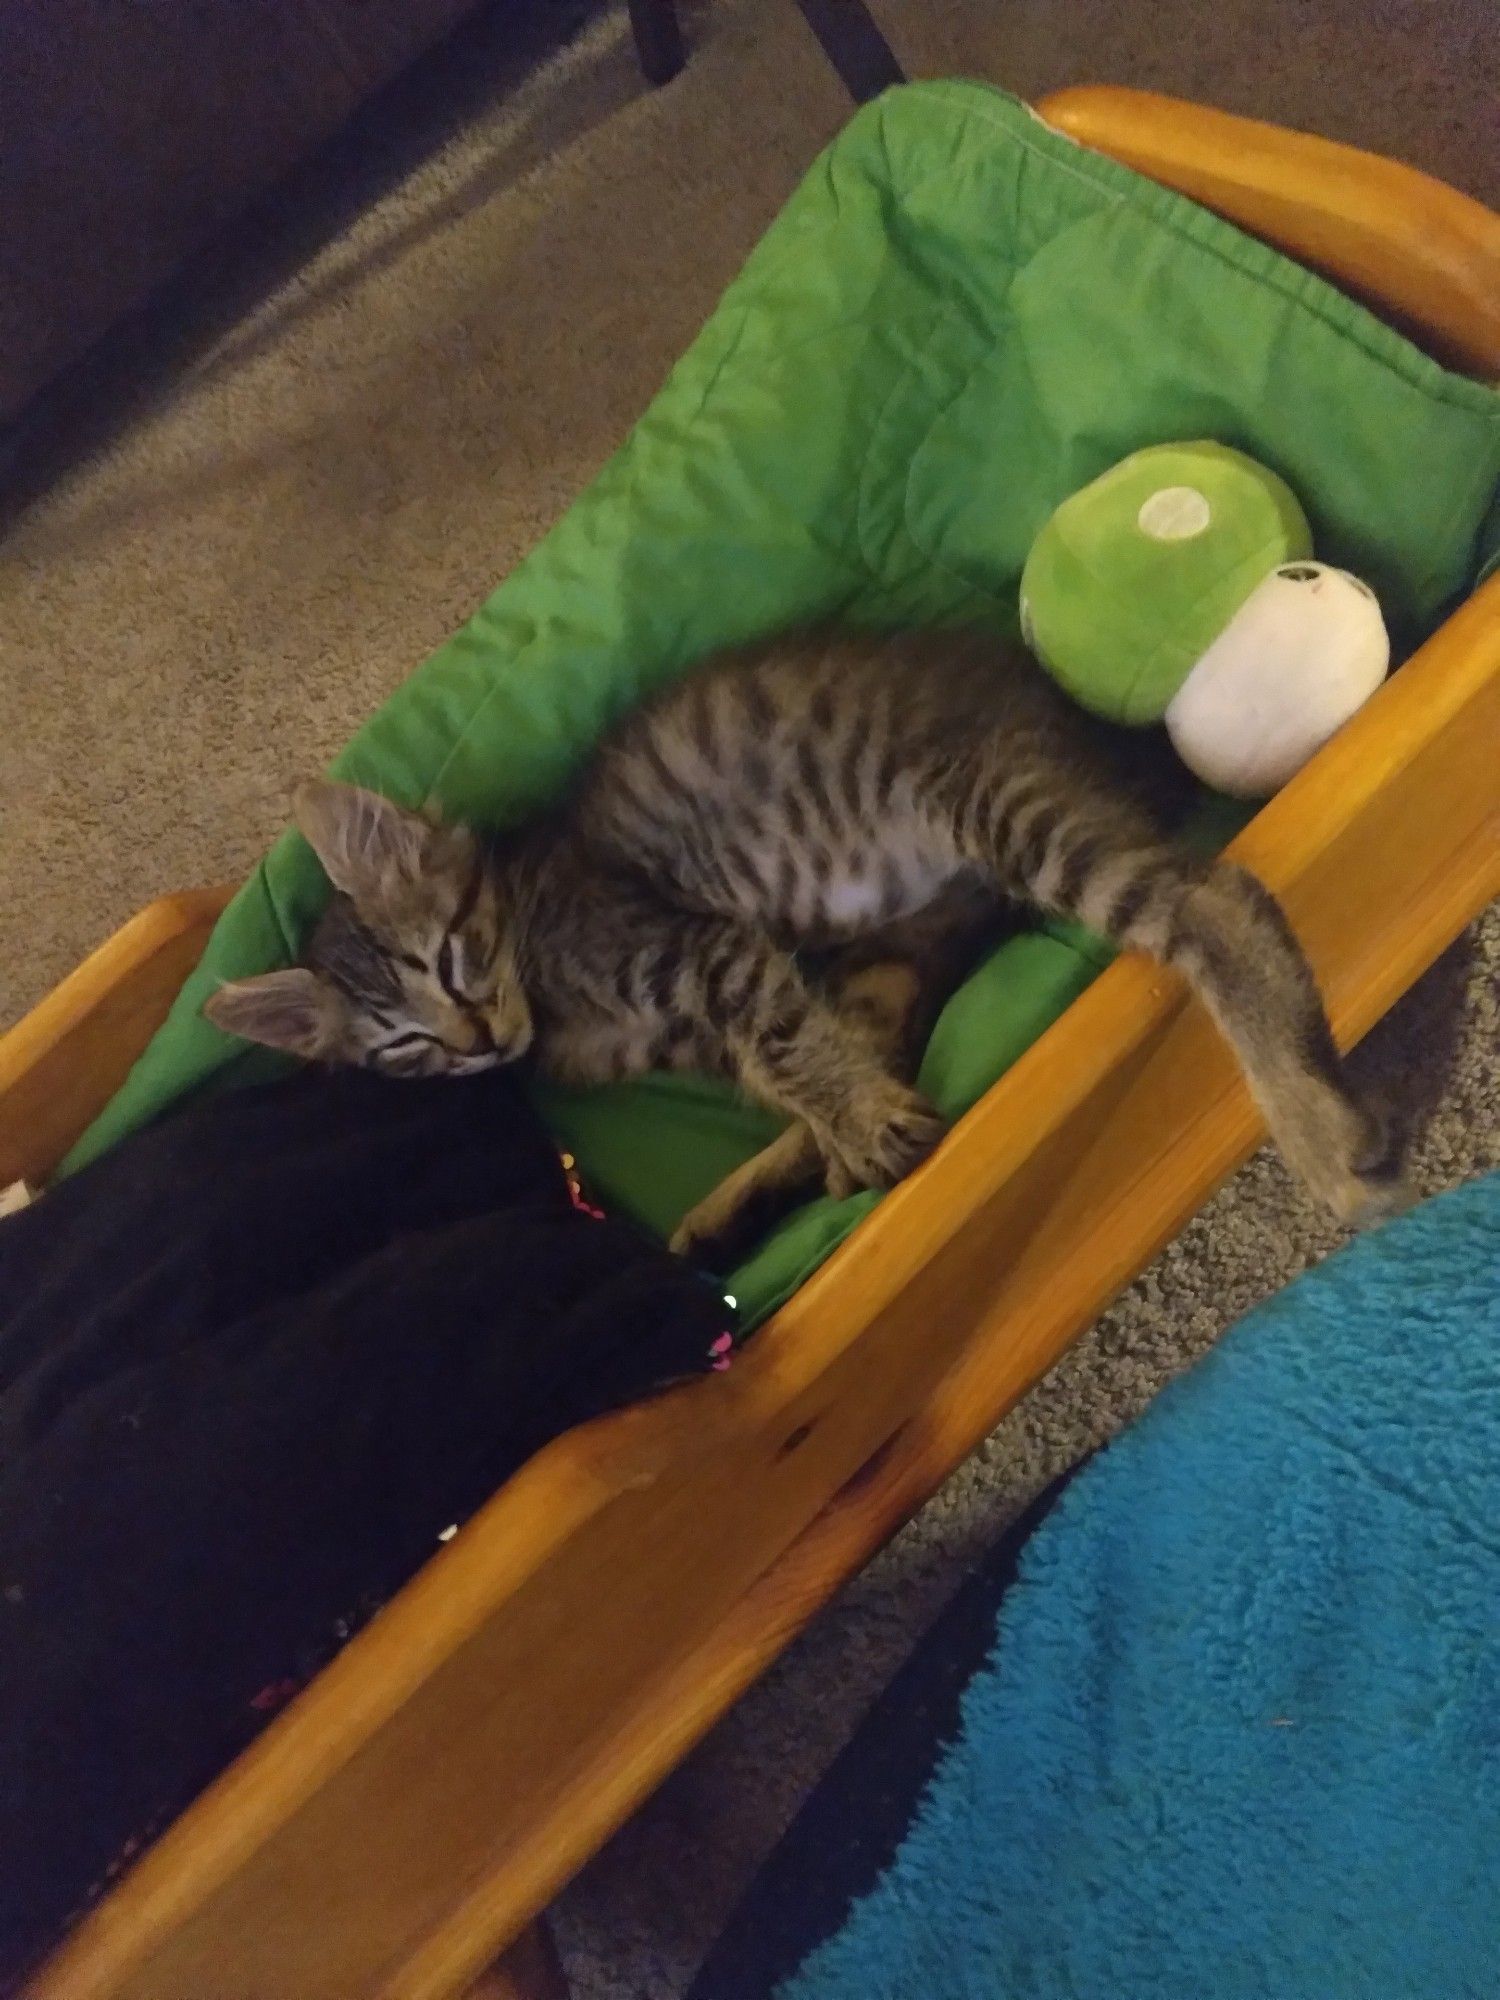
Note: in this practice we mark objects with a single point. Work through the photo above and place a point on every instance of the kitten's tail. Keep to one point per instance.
(1231, 941)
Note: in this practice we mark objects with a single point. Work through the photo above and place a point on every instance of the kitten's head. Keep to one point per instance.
(412, 970)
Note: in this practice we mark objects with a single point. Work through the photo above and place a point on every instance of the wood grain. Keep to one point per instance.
(62, 1063)
(1418, 250)
(437, 1784)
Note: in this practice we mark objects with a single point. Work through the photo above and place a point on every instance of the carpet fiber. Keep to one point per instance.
(294, 476)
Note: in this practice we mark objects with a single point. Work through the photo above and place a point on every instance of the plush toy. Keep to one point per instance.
(1180, 587)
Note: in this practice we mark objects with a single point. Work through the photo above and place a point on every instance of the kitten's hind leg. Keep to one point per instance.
(878, 1004)
(751, 1200)
(882, 1002)
(788, 1049)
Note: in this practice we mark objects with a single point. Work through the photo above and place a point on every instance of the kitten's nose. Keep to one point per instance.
(509, 1028)
(477, 1039)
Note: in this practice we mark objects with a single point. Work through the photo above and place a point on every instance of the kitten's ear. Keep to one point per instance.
(292, 1010)
(364, 841)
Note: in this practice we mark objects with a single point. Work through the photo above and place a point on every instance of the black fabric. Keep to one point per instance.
(847, 1833)
(253, 1363)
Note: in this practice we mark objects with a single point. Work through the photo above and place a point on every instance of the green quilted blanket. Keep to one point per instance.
(959, 318)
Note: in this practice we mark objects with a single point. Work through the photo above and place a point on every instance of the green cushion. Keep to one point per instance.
(959, 319)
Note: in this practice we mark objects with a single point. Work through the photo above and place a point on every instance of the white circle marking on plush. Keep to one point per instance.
(1174, 514)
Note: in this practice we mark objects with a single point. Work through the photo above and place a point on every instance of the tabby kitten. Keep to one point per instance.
(815, 793)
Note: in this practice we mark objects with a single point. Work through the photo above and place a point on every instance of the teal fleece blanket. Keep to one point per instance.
(1240, 1735)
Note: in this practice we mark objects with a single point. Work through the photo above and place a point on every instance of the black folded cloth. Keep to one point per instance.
(255, 1363)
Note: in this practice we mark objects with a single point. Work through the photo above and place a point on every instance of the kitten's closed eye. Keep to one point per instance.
(449, 969)
(465, 969)
(418, 1052)
(446, 979)
(410, 1052)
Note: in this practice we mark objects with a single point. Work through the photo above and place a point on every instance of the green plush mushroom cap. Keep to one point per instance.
(1136, 575)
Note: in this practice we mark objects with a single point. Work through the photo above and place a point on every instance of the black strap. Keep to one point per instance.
(854, 45)
(845, 30)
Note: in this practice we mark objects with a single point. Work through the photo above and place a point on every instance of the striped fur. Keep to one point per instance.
(734, 851)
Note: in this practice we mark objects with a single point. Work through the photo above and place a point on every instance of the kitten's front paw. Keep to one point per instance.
(884, 1135)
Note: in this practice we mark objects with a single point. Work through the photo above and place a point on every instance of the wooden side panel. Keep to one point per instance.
(436, 1785)
(1418, 250)
(60, 1066)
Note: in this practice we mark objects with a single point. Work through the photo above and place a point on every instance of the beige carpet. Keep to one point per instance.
(315, 457)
